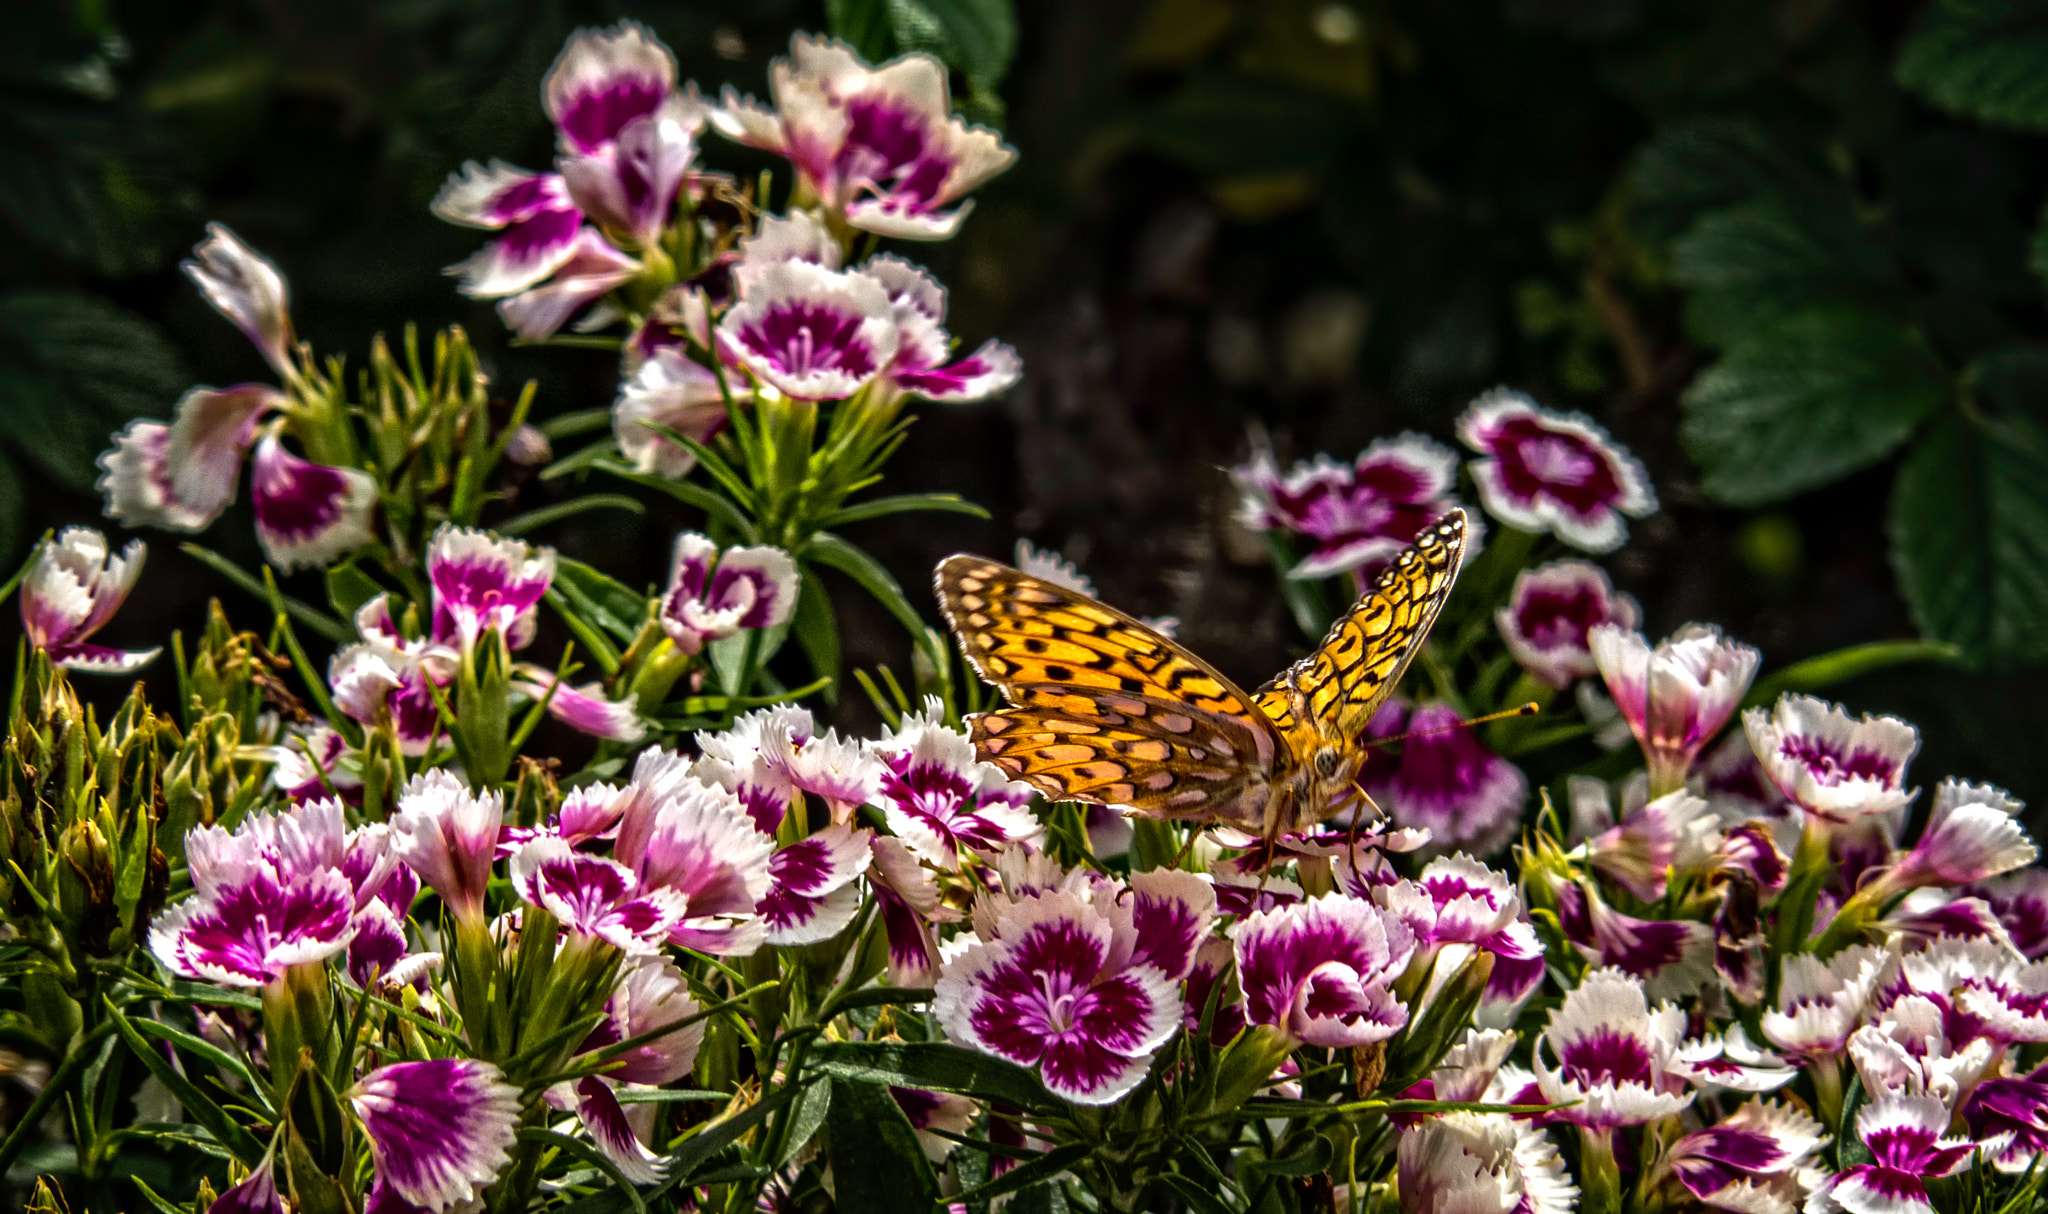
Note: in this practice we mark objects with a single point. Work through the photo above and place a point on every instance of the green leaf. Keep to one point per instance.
(1969, 527)
(1748, 267)
(92, 181)
(700, 1148)
(304, 612)
(600, 598)
(348, 588)
(1313, 1159)
(1854, 661)
(1982, 59)
(1196, 1194)
(533, 520)
(817, 632)
(865, 25)
(811, 1108)
(713, 504)
(1808, 401)
(878, 1166)
(936, 1067)
(196, 1103)
(1028, 1173)
(950, 503)
(828, 549)
(73, 370)
(1698, 164)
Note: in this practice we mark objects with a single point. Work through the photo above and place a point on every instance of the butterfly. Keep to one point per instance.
(1103, 708)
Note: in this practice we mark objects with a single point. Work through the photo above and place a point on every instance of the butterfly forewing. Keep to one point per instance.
(1104, 708)
(1334, 692)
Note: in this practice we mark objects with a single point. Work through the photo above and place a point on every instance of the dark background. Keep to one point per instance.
(1330, 222)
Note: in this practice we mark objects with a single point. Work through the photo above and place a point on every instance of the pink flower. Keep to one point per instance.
(878, 145)
(308, 514)
(1971, 835)
(1445, 781)
(448, 836)
(2020, 900)
(438, 1130)
(1058, 988)
(627, 136)
(2012, 1110)
(75, 586)
(591, 896)
(1551, 611)
(1904, 1136)
(812, 896)
(908, 898)
(307, 766)
(482, 583)
(1476, 1163)
(1614, 1057)
(592, 269)
(673, 390)
(585, 709)
(1322, 970)
(1675, 697)
(938, 798)
(1555, 472)
(389, 679)
(651, 996)
(1671, 957)
(697, 839)
(812, 332)
(1758, 1149)
(182, 475)
(533, 210)
(1820, 1003)
(277, 892)
(247, 289)
(713, 595)
(921, 366)
(1360, 515)
(1835, 768)
(1676, 829)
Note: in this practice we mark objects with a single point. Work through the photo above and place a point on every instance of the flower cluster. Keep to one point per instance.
(392, 942)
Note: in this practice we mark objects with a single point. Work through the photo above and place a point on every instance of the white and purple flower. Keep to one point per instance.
(1675, 697)
(533, 211)
(713, 595)
(812, 895)
(482, 582)
(1359, 515)
(449, 836)
(938, 798)
(244, 286)
(1614, 1057)
(697, 839)
(2020, 900)
(1904, 1135)
(308, 514)
(1551, 612)
(879, 146)
(181, 476)
(596, 898)
(1748, 1158)
(671, 390)
(1479, 1163)
(73, 588)
(814, 333)
(1322, 971)
(921, 365)
(1836, 768)
(438, 1130)
(586, 709)
(592, 269)
(1555, 472)
(1061, 987)
(1972, 834)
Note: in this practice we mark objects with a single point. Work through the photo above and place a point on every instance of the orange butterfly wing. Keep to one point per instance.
(1104, 708)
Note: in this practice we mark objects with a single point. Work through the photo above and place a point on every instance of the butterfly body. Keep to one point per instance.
(1103, 708)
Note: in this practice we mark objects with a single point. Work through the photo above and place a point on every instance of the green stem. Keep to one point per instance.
(75, 1060)
(1599, 1177)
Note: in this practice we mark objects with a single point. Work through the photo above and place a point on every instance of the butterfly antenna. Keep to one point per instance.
(1187, 848)
(1351, 843)
(1529, 709)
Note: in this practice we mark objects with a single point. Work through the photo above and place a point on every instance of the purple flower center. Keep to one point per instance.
(1830, 766)
(1560, 619)
(1536, 460)
(804, 337)
(889, 148)
(296, 498)
(1607, 1057)
(594, 117)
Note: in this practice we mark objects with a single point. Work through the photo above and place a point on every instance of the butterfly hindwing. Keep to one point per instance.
(1102, 704)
